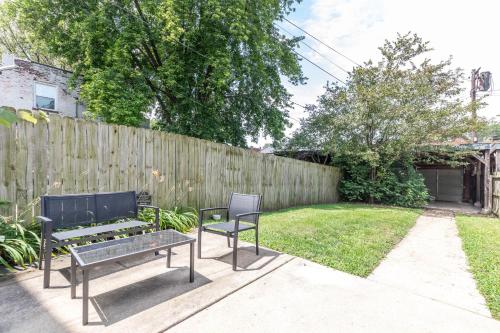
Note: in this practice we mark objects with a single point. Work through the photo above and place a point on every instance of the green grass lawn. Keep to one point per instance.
(349, 237)
(481, 243)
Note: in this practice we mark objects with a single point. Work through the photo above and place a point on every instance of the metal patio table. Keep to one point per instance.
(88, 256)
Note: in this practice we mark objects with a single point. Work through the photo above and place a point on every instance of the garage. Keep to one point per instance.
(444, 184)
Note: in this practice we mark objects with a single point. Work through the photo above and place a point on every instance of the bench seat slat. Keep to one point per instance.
(63, 235)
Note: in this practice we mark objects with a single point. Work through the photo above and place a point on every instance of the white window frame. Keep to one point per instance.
(35, 83)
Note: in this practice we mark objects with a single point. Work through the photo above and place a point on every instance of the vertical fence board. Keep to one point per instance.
(92, 160)
(40, 170)
(55, 155)
(22, 140)
(8, 173)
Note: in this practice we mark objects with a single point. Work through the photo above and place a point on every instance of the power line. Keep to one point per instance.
(320, 41)
(314, 50)
(318, 66)
(302, 106)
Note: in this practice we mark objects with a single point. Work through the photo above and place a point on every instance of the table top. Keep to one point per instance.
(113, 250)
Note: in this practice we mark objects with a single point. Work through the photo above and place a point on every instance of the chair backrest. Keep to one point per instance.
(244, 203)
(71, 210)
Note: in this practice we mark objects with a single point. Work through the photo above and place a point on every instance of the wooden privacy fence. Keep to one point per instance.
(69, 155)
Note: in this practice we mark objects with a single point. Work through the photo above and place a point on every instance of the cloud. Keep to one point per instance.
(465, 30)
(357, 28)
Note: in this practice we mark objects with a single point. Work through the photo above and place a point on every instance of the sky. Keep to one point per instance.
(465, 30)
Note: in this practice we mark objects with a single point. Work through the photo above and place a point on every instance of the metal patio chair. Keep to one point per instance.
(242, 213)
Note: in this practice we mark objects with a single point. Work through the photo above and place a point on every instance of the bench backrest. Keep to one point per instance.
(244, 203)
(81, 209)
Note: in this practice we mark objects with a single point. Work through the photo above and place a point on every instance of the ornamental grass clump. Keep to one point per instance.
(18, 244)
(182, 220)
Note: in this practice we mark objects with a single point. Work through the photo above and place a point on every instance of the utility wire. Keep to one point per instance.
(318, 66)
(320, 41)
(302, 106)
(314, 50)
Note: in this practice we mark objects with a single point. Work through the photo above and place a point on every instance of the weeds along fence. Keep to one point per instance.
(67, 155)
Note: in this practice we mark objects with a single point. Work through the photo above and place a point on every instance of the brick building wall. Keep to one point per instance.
(17, 86)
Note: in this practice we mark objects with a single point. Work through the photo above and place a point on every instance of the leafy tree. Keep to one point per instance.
(385, 113)
(20, 43)
(207, 68)
(489, 130)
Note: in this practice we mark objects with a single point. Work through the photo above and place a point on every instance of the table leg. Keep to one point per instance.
(169, 257)
(73, 277)
(85, 298)
(191, 262)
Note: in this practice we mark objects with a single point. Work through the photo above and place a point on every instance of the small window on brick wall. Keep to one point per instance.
(45, 96)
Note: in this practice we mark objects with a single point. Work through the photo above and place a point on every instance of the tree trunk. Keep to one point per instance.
(373, 176)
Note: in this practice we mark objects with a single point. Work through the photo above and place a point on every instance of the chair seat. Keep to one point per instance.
(229, 226)
(63, 235)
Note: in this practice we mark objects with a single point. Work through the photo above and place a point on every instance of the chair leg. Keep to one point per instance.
(228, 240)
(47, 259)
(235, 250)
(199, 242)
(40, 254)
(257, 240)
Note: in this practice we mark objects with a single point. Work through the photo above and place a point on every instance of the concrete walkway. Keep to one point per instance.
(302, 296)
(430, 262)
(422, 286)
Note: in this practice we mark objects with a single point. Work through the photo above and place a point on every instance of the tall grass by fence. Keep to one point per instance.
(69, 155)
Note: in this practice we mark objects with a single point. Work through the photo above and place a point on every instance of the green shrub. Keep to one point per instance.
(399, 185)
(182, 220)
(18, 243)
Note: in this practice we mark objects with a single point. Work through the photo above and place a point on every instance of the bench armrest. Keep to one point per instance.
(46, 226)
(157, 215)
(43, 219)
(148, 206)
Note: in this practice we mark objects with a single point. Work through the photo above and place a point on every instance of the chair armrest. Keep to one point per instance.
(247, 214)
(202, 210)
(238, 216)
(214, 208)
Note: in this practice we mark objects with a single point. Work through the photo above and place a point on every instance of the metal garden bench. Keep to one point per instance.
(66, 220)
(242, 213)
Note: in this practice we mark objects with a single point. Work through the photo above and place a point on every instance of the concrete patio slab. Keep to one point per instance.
(132, 296)
(302, 296)
(430, 262)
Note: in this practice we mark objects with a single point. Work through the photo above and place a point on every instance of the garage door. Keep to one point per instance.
(444, 184)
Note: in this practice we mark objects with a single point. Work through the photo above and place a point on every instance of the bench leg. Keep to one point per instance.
(169, 257)
(73, 277)
(47, 260)
(228, 240)
(40, 254)
(85, 297)
(191, 262)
